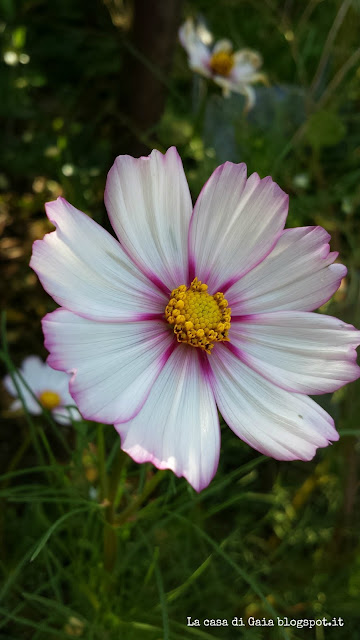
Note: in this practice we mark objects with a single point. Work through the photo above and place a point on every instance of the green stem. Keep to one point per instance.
(110, 546)
(107, 493)
(117, 481)
(17, 457)
(101, 461)
(110, 535)
(115, 489)
(150, 486)
(13, 464)
(201, 108)
(5, 356)
(8, 362)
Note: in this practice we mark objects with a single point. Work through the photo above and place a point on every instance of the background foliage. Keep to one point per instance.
(266, 538)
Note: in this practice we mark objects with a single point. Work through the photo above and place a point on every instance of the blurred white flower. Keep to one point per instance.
(301, 180)
(232, 70)
(24, 58)
(11, 58)
(51, 388)
(93, 493)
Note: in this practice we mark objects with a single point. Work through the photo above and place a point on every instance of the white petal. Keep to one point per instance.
(226, 84)
(85, 270)
(27, 398)
(40, 377)
(295, 276)
(250, 96)
(114, 365)
(302, 352)
(16, 405)
(178, 426)
(32, 372)
(48, 379)
(198, 52)
(9, 385)
(66, 416)
(230, 85)
(247, 62)
(149, 205)
(223, 45)
(59, 382)
(56, 381)
(280, 424)
(61, 415)
(235, 224)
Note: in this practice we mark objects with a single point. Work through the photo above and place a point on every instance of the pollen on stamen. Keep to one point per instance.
(49, 399)
(222, 63)
(198, 318)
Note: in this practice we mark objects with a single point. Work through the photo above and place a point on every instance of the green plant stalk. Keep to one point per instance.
(110, 539)
(131, 509)
(117, 481)
(101, 462)
(4, 354)
(110, 546)
(199, 118)
(110, 534)
(112, 493)
(16, 458)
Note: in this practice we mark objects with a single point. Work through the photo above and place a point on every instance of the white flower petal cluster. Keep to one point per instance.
(233, 71)
(50, 388)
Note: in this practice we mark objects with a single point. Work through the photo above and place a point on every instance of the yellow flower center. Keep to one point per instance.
(222, 62)
(198, 318)
(49, 399)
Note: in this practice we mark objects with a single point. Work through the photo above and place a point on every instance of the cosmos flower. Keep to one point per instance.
(49, 386)
(232, 70)
(191, 311)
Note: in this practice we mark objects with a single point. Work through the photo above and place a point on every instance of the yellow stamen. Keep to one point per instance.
(49, 399)
(203, 320)
(222, 63)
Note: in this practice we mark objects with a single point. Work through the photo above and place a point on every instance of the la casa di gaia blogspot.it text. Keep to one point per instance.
(298, 623)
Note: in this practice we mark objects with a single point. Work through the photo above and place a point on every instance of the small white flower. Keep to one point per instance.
(232, 70)
(51, 388)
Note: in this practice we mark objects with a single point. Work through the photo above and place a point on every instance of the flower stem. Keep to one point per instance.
(25, 443)
(101, 461)
(109, 490)
(110, 546)
(5, 356)
(110, 539)
(198, 123)
(150, 486)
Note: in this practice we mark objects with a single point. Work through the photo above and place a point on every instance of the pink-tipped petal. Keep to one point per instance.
(235, 224)
(149, 206)
(86, 271)
(299, 351)
(178, 426)
(114, 365)
(297, 275)
(283, 425)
